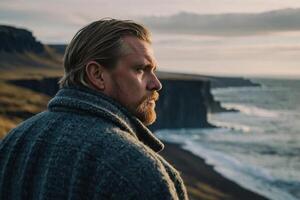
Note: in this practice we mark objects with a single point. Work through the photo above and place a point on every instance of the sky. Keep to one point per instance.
(215, 37)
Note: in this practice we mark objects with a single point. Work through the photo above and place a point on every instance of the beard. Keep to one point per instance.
(145, 110)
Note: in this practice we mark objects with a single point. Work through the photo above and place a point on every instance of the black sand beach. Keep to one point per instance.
(202, 181)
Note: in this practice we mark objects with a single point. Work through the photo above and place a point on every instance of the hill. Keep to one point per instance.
(22, 56)
(22, 53)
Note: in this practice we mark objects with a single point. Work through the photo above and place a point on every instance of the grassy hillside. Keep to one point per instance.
(17, 104)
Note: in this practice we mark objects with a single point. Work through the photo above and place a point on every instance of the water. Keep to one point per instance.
(258, 147)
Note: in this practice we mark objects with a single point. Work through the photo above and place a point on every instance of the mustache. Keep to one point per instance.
(153, 96)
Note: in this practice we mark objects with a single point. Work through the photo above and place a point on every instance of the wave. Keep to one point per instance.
(251, 177)
(232, 126)
(226, 90)
(252, 110)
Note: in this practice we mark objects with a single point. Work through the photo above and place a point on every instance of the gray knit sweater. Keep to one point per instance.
(85, 146)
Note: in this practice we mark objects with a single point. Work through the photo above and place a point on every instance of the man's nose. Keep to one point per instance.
(154, 83)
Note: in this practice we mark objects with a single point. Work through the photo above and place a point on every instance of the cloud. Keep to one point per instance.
(45, 23)
(237, 24)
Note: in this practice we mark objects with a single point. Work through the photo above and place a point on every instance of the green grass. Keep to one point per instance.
(17, 104)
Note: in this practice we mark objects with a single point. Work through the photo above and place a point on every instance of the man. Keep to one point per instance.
(92, 142)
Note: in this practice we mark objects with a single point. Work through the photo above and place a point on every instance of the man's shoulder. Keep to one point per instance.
(58, 129)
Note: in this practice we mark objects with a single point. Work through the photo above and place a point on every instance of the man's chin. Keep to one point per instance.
(149, 121)
(147, 117)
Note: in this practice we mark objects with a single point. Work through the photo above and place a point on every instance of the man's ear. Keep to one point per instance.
(95, 74)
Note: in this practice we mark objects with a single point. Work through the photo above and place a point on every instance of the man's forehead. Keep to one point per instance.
(133, 45)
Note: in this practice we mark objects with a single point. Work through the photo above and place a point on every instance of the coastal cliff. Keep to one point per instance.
(19, 49)
(16, 40)
(182, 104)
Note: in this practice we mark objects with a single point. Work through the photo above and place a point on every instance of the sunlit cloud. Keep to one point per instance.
(276, 54)
(227, 24)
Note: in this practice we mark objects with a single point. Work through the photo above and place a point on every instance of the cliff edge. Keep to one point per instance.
(20, 49)
(17, 40)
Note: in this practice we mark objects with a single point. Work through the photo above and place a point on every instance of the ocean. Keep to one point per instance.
(257, 147)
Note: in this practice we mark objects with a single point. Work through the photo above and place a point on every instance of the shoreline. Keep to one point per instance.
(200, 178)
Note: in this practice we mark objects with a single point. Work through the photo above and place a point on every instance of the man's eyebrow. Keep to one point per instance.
(140, 66)
(149, 65)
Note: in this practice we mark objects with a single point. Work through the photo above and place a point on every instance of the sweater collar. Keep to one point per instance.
(86, 100)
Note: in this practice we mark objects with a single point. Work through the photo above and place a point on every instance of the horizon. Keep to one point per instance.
(227, 37)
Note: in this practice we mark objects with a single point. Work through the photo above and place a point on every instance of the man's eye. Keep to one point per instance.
(139, 69)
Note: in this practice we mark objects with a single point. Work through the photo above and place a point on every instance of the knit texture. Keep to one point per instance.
(85, 146)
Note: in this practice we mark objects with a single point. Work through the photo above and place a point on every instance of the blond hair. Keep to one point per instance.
(100, 41)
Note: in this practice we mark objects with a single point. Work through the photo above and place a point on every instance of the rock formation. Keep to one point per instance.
(16, 40)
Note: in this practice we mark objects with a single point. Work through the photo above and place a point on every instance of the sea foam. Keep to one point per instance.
(252, 110)
(251, 177)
